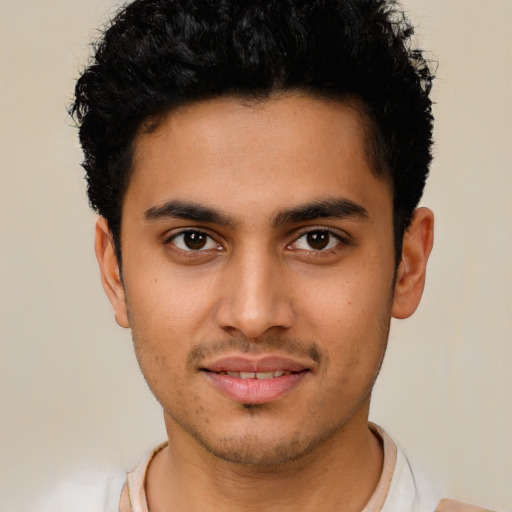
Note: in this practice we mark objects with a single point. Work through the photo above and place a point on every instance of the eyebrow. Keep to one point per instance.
(186, 210)
(338, 208)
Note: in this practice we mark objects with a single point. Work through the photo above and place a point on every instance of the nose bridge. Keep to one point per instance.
(254, 296)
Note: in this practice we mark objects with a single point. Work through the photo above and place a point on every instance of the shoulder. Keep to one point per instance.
(85, 491)
(411, 482)
(447, 505)
(428, 494)
(412, 490)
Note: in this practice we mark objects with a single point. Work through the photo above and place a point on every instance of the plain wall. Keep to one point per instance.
(71, 395)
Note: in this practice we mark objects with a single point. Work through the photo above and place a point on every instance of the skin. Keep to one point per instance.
(266, 279)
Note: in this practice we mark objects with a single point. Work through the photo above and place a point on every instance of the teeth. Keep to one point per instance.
(265, 375)
(257, 375)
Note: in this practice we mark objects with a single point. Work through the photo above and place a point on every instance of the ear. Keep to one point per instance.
(410, 280)
(110, 272)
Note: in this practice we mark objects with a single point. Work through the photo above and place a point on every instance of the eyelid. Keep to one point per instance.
(169, 238)
(343, 238)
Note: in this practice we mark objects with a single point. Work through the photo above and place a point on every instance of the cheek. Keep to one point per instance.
(159, 340)
(168, 312)
(349, 315)
(352, 301)
(159, 323)
(169, 302)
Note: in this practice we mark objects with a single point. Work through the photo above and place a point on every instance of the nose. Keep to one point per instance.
(255, 296)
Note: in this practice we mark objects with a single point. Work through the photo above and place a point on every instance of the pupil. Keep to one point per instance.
(318, 240)
(194, 240)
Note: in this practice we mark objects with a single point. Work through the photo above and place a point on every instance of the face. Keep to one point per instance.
(258, 271)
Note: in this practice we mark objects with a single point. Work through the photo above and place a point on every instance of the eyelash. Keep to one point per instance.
(199, 232)
(341, 240)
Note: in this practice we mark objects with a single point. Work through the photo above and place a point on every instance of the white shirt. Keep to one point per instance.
(401, 488)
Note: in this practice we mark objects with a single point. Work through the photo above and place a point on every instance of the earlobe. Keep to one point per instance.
(110, 272)
(410, 280)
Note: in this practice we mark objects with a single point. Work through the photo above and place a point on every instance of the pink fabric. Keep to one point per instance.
(459, 506)
(133, 495)
(381, 491)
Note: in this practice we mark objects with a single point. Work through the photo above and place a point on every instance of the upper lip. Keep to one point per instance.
(262, 364)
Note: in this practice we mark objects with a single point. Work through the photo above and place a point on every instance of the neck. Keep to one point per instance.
(341, 473)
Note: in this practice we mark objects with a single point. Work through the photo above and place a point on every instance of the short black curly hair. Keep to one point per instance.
(157, 55)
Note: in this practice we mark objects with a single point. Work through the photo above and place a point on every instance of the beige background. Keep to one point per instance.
(71, 397)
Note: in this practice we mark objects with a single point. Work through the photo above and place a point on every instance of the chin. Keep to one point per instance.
(257, 452)
(264, 448)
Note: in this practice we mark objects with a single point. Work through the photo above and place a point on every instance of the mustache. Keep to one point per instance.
(290, 347)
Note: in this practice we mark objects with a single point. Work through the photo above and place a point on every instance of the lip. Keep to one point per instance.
(262, 364)
(255, 390)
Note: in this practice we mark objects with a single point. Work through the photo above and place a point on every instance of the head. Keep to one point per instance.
(256, 166)
(158, 55)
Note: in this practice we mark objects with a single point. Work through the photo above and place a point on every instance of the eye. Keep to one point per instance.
(193, 240)
(317, 240)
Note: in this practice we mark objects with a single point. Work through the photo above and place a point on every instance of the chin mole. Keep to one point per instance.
(251, 407)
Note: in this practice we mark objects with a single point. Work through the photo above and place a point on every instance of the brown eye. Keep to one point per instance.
(193, 241)
(317, 240)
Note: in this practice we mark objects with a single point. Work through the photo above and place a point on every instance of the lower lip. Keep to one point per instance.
(255, 391)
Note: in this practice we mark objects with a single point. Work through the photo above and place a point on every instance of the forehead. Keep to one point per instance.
(237, 155)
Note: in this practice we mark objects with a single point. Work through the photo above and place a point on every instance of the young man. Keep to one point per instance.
(256, 167)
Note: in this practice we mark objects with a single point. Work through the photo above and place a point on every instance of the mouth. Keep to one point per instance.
(257, 375)
(255, 381)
